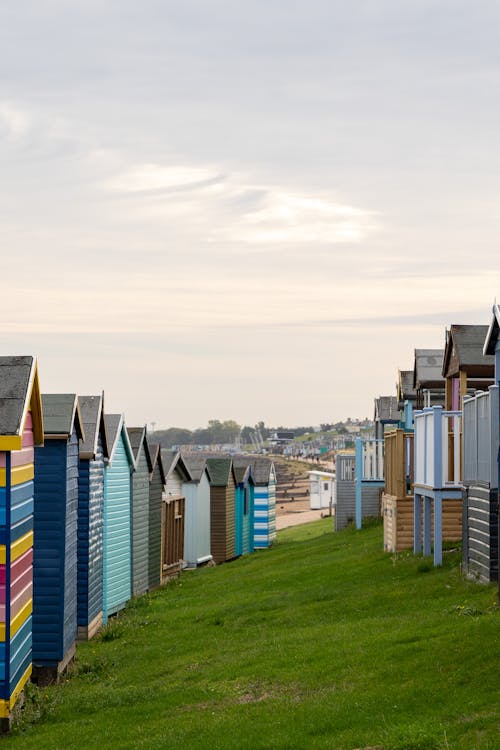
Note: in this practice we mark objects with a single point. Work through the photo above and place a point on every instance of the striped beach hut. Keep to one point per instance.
(156, 489)
(140, 509)
(197, 523)
(222, 508)
(173, 514)
(264, 475)
(21, 428)
(117, 542)
(244, 505)
(93, 451)
(55, 545)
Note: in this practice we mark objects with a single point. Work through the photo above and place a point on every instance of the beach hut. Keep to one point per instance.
(173, 515)
(428, 381)
(465, 368)
(93, 452)
(140, 509)
(244, 509)
(156, 489)
(386, 415)
(264, 475)
(222, 508)
(197, 521)
(117, 555)
(322, 490)
(407, 396)
(21, 428)
(55, 540)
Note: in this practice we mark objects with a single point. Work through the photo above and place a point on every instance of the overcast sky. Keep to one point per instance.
(249, 211)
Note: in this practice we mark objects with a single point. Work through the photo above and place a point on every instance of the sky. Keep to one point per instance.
(249, 211)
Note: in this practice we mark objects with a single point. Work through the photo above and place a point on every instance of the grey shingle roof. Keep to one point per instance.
(428, 368)
(61, 414)
(196, 465)
(137, 436)
(113, 424)
(15, 375)
(465, 343)
(386, 409)
(155, 455)
(261, 467)
(173, 461)
(405, 385)
(92, 418)
(220, 471)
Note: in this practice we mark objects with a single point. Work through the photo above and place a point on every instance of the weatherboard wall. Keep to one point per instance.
(16, 568)
(90, 543)
(55, 551)
(117, 531)
(154, 527)
(222, 522)
(197, 521)
(140, 524)
(244, 518)
(265, 513)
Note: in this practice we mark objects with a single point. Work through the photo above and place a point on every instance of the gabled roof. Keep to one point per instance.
(261, 467)
(220, 471)
(386, 409)
(196, 465)
(137, 437)
(19, 393)
(115, 427)
(92, 412)
(493, 330)
(243, 473)
(61, 415)
(156, 459)
(406, 389)
(464, 351)
(427, 368)
(174, 462)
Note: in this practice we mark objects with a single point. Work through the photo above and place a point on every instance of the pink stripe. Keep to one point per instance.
(22, 564)
(21, 582)
(2, 594)
(29, 421)
(19, 458)
(2, 613)
(2, 575)
(21, 599)
(28, 438)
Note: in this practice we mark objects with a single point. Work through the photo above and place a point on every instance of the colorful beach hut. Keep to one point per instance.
(117, 556)
(264, 474)
(156, 489)
(244, 509)
(173, 515)
(222, 508)
(55, 544)
(21, 428)
(197, 522)
(140, 509)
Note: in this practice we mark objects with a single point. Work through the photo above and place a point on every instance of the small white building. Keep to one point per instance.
(322, 490)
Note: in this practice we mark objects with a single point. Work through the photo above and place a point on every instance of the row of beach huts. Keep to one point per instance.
(93, 513)
(432, 470)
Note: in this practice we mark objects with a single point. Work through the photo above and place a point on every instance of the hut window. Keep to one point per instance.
(325, 486)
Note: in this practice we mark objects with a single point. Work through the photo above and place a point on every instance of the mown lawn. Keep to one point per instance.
(323, 641)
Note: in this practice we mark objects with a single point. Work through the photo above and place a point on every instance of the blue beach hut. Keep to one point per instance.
(21, 428)
(55, 543)
(117, 539)
(264, 475)
(93, 451)
(244, 509)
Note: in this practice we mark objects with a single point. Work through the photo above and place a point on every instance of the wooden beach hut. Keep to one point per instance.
(244, 509)
(93, 452)
(465, 368)
(407, 396)
(21, 428)
(140, 509)
(55, 541)
(428, 380)
(222, 508)
(156, 490)
(197, 521)
(264, 475)
(386, 415)
(173, 515)
(359, 478)
(117, 557)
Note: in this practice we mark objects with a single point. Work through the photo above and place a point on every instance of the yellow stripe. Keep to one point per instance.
(21, 617)
(11, 442)
(21, 546)
(3, 554)
(19, 474)
(2, 632)
(7, 706)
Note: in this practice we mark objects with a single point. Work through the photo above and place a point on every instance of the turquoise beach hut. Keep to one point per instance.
(117, 537)
(244, 509)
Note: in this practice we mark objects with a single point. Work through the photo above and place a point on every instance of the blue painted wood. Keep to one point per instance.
(417, 523)
(140, 524)
(55, 550)
(117, 588)
(90, 536)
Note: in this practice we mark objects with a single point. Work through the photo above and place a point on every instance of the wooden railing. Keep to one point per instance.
(173, 535)
(369, 460)
(398, 463)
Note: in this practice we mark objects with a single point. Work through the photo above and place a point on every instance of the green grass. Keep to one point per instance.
(323, 641)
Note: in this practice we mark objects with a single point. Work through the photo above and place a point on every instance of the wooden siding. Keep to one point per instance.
(140, 524)
(222, 522)
(173, 510)
(398, 514)
(197, 521)
(345, 508)
(265, 514)
(90, 543)
(154, 528)
(244, 519)
(117, 536)
(55, 551)
(480, 533)
(16, 569)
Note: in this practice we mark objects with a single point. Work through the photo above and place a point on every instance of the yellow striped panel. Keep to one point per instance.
(19, 474)
(11, 442)
(3, 554)
(21, 617)
(2, 632)
(7, 706)
(20, 546)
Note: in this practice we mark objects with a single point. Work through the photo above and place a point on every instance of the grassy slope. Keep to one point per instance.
(322, 642)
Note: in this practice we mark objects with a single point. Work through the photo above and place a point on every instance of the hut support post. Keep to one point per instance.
(427, 525)
(438, 525)
(417, 524)
(359, 479)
